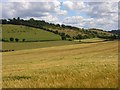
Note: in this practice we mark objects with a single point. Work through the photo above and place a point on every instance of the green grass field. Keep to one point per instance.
(32, 45)
(27, 33)
(89, 65)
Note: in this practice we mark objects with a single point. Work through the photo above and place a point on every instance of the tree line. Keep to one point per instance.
(41, 24)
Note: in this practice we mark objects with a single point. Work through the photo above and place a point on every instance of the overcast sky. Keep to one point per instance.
(103, 15)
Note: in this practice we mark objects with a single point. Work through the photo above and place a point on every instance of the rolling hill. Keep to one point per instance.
(68, 32)
(28, 33)
(74, 31)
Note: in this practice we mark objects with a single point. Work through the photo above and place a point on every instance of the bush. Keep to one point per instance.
(68, 36)
(16, 39)
(3, 39)
(74, 37)
(63, 37)
(11, 39)
(23, 40)
(62, 34)
(69, 39)
(56, 32)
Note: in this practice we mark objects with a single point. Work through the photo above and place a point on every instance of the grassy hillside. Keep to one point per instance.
(47, 33)
(65, 31)
(27, 33)
(74, 32)
(70, 32)
(92, 65)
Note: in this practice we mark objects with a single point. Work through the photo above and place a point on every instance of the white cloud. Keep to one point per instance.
(93, 0)
(50, 18)
(62, 12)
(93, 9)
(73, 20)
(0, 10)
(68, 5)
(31, 0)
(96, 14)
(73, 5)
(101, 23)
(31, 9)
(101, 9)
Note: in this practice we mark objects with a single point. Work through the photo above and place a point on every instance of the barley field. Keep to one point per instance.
(86, 65)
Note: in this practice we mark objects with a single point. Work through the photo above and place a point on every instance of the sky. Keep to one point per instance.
(82, 13)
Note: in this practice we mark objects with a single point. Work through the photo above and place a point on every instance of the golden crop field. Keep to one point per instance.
(86, 65)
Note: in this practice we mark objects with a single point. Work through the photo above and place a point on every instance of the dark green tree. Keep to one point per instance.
(23, 40)
(79, 37)
(68, 36)
(11, 39)
(63, 37)
(16, 39)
